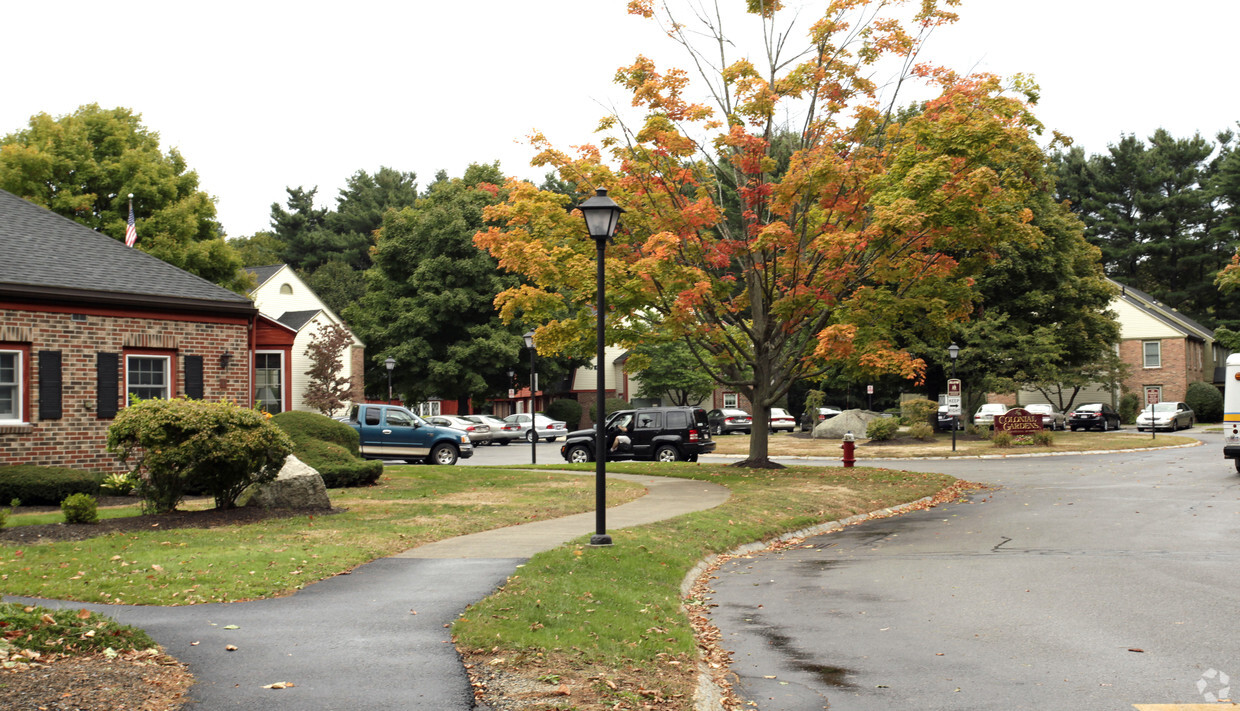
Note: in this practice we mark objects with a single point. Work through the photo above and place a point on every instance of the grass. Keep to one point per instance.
(410, 506)
(614, 616)
(65, 632)
(799, 445)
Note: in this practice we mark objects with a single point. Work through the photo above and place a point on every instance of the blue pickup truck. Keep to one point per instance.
(392, 432)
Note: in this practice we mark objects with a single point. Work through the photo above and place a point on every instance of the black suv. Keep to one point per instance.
(664, 434)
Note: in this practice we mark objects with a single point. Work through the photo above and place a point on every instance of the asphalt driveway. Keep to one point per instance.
(1077, 582)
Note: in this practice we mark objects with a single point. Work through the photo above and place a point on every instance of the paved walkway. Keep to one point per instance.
(377, 638)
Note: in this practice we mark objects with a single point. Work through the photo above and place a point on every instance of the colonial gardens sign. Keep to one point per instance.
(1018, 421)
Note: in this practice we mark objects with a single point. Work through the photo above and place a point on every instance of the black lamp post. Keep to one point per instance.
(954, 350)
(391, 365)
(529, 343)
(602, 215)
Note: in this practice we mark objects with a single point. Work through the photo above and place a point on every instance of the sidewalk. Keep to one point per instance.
(379, 637)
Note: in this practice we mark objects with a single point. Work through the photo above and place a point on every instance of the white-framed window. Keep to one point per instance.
(286, 288)
(1152, 352)
(269, 381)
(428, 409)
(11, 381)
(148, 377)
(731, 400)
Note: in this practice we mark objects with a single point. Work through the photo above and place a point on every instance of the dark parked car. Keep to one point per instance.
(729, 420)
(1093, 416)
(664, 434)
(945, 420)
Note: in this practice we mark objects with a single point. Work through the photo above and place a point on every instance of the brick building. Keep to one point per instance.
(85, 322)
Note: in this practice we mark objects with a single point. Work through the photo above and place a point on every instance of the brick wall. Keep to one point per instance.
(1180, 364)
(78, 438)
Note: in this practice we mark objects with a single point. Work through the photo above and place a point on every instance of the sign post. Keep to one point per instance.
(1152, 397)
(953, 405)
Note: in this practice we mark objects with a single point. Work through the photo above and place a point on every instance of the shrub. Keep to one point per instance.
(1129, 408)
(44, 486)
(220, 447)
(972, 430)
(914, 411)
(882, 429)
(1206, 402)
(921, 430)
(1043, 438)
(566, 410)
(304, 426)
(118, 484)
(1001, 439)
(80, 508)
(330, 447)
(4, 517)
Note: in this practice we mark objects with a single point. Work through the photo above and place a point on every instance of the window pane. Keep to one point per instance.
(8, 386)
(147, 377)
(1151, 354)
(267, 382)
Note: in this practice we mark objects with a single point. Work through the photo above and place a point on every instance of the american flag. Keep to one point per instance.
(131, 232)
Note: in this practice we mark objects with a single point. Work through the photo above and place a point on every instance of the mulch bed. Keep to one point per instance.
(209, 518)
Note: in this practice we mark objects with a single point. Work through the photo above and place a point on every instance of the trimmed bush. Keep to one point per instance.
(44, 486)
(565, 410)
(915, 411)
(1002, 439)
(921, 430)
(1043, 438)
(1129, 408)
(330, 447)
(80, 508)
(303, 426)
(180, 444)
(1206, 401)
(882, 429)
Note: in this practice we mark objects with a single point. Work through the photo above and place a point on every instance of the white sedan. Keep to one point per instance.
(781, 420)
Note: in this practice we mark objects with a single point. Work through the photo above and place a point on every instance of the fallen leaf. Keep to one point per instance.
(231, 627)
(280, 685)
(83, 614)
(1136, 649)
(230, 648)
(48, 619)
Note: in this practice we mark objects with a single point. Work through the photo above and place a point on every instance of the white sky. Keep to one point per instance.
(262, 95)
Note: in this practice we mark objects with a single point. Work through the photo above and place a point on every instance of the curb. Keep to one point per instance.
(709, 695)
(1015, 455)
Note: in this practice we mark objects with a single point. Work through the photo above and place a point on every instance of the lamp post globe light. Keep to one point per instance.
(391, 365)
(602, 215)
(952, 351)
(529, 343)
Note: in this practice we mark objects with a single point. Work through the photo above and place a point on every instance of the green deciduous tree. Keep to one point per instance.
(778, 246)
(84, 166)
(667, 370)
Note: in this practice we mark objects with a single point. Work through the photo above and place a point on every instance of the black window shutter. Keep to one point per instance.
(193, 376)
(49, 385)
(107, 379)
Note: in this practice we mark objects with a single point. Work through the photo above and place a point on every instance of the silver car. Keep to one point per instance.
(501, 432)
(1166, 416)
(478, 434)
(545, 427)
(1052, 419)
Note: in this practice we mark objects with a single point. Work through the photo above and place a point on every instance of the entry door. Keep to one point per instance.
(648, 425)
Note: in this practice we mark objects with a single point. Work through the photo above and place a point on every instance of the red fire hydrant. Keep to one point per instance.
(850, 449)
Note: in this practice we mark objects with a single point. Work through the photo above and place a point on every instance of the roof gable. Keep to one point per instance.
(48, 256)
(1151, 308)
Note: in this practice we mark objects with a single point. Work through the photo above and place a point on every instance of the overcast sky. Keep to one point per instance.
(262, 95)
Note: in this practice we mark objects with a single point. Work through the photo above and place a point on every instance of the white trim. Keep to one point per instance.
(17, 385)
(1145, 358)
(167, 369)
(736, 400)
(284, 400)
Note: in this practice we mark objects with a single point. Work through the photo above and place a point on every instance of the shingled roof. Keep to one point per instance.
(262, 274)
(48, 257)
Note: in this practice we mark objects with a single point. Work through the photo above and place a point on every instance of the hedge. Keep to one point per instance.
(330, 447)
(44, 486)
(303, 426)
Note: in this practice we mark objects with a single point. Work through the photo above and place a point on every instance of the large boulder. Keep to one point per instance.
(298, 486)
(854, 421)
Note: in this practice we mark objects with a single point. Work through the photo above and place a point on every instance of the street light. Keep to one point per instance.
(529, 343)
(954, 350)
(391, 365)
(602, 214)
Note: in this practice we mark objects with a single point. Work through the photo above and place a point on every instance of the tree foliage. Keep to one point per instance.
(84, 165)
(328, 388)
(776, 251)
(428, 301)
(667, 370)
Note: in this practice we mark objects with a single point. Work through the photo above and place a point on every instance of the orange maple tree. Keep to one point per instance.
(796, 220)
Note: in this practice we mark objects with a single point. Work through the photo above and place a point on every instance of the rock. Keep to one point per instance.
(298, 486)
(854, 421)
